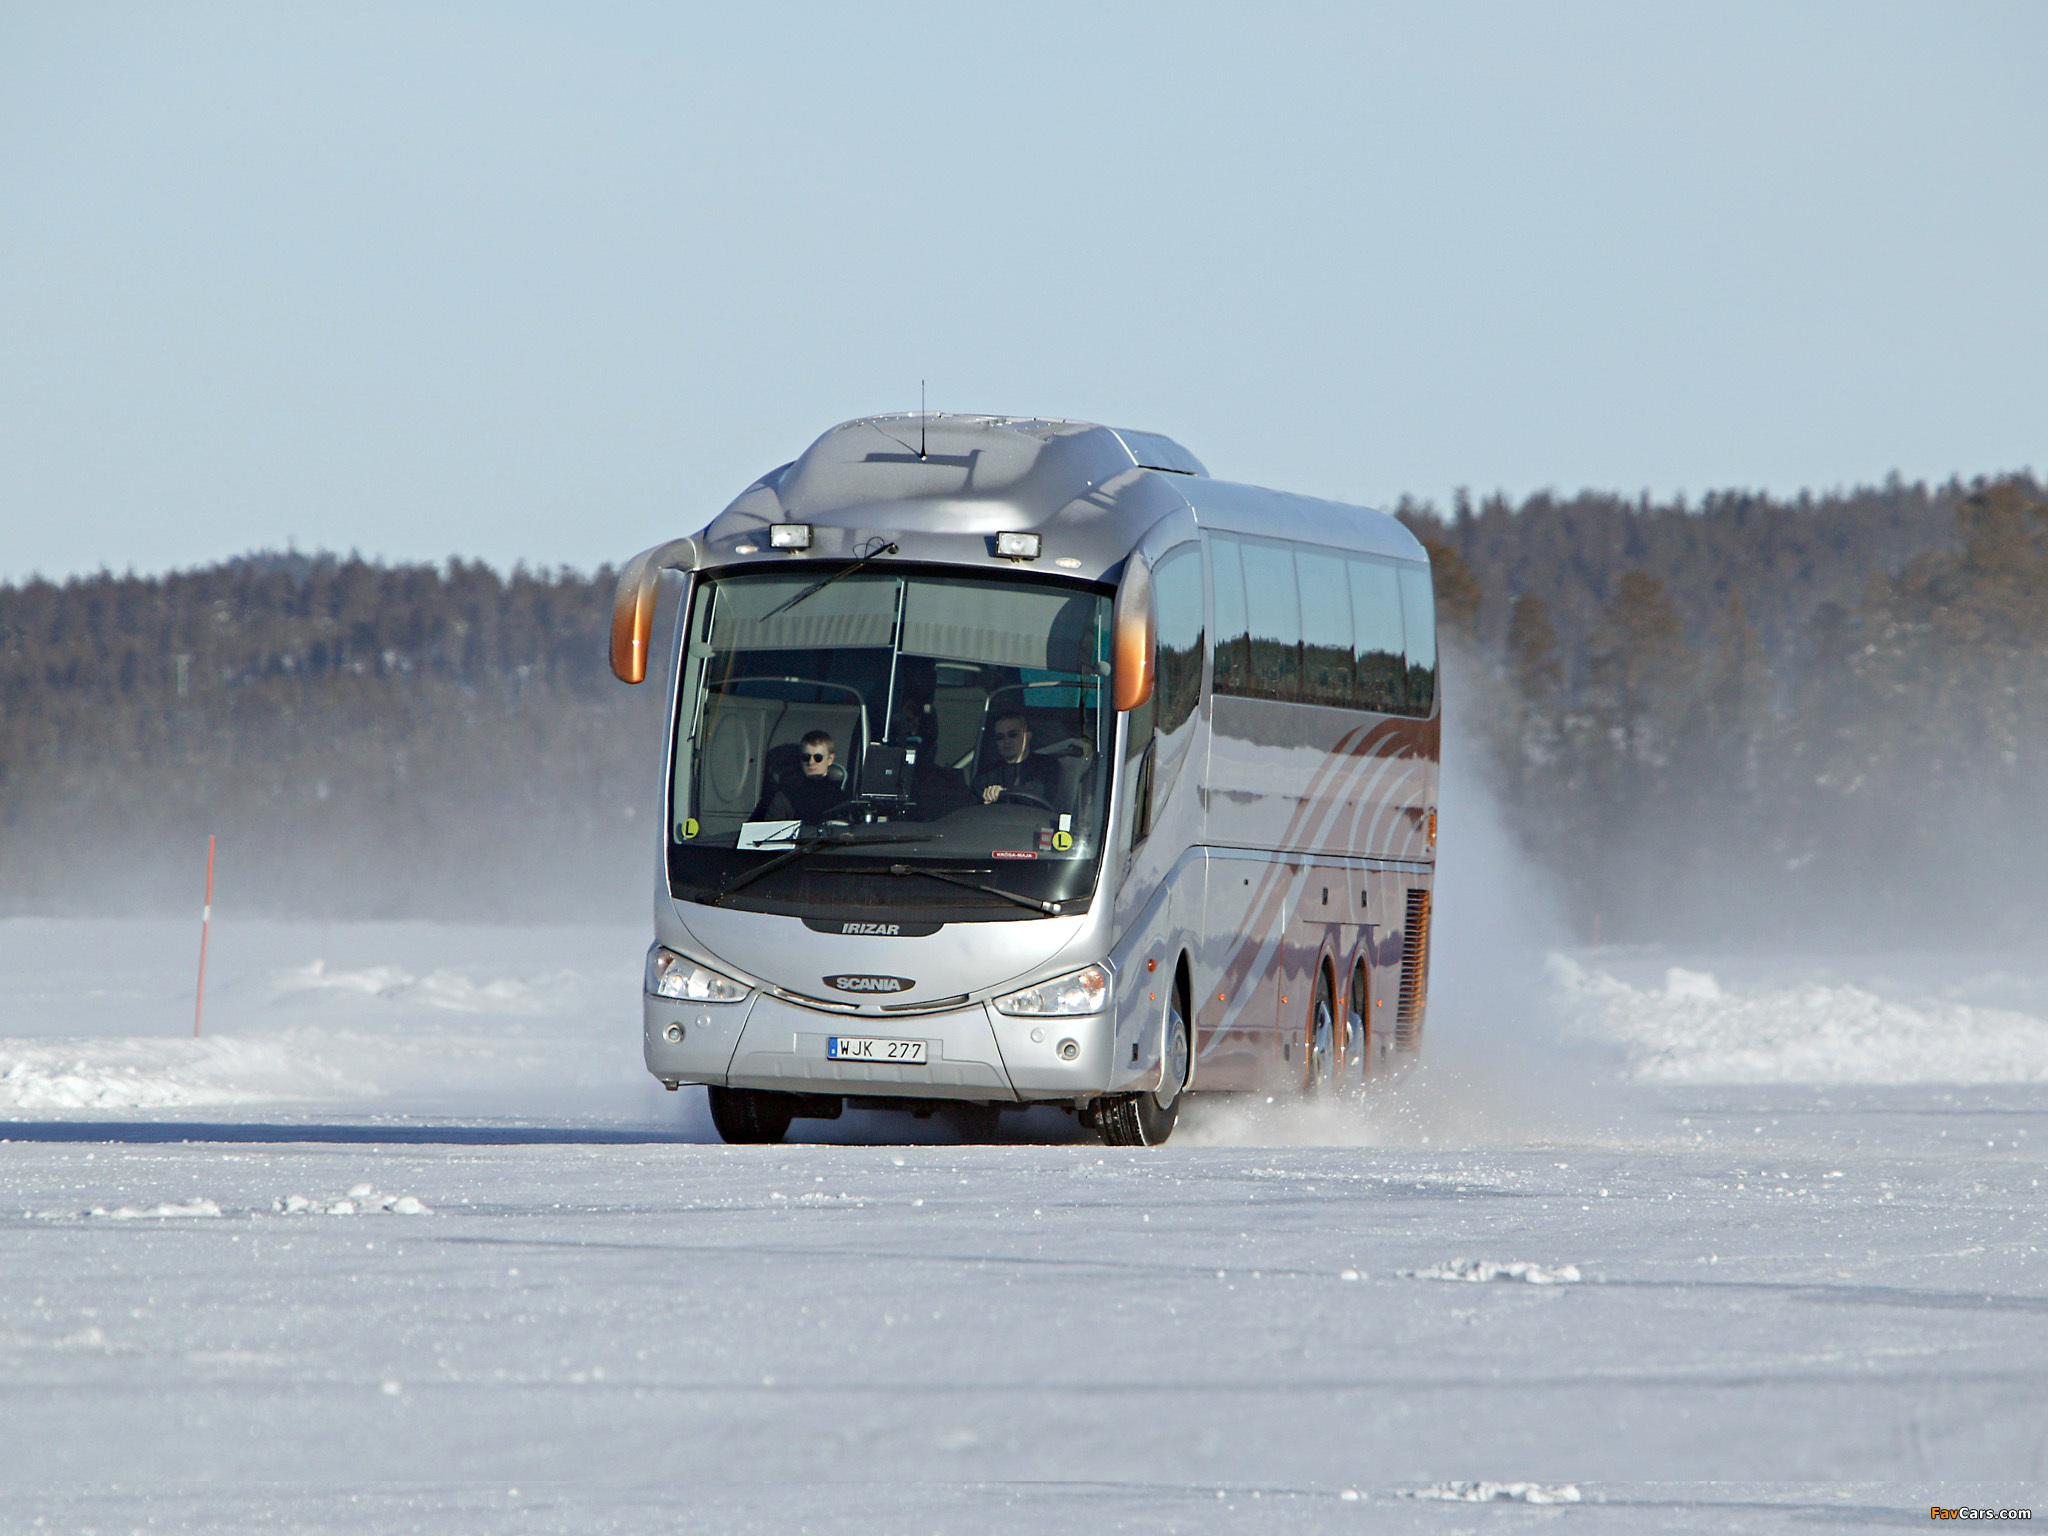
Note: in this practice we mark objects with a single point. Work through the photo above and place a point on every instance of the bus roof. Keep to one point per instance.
(942, 486)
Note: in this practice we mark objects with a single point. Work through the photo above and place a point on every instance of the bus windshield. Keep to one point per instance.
(962, 718)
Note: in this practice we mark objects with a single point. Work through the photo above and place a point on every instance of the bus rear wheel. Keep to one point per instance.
(747, 1116)
(1358, 1037)
(1147, 1119)
(1321, 1070)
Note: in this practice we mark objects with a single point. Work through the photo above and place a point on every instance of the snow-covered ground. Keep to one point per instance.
(394, 1018)
(409, 1242)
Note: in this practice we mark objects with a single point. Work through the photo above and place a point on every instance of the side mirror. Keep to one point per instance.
(1133, 651)
(633, 604)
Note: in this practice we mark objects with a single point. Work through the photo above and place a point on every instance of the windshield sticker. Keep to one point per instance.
(769, 834)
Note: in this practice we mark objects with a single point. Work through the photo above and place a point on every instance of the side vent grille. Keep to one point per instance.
(1414, 974)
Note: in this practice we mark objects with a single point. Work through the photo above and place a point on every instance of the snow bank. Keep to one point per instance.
(1488, 1493)
(413, 1018)
(361, 1200)
(199, 1207)
(157, 1074)
(446, 989)
(1483, 1270)
(1693, 1032)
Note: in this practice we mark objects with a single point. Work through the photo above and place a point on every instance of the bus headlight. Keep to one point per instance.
(670, 975)
(1062, 997)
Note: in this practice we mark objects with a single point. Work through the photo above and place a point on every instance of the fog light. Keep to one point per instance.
(1018, 546)
(1069, 1049)
(674, 1034)
(789, 536)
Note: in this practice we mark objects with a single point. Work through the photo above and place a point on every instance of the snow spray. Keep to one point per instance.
(1498, 1066)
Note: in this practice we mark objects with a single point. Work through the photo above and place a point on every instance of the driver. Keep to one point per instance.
(1015, 769)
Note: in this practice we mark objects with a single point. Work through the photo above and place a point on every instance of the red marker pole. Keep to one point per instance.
(205, 922)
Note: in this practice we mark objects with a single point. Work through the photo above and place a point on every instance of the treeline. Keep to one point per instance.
(1823, 720)
(364, 739)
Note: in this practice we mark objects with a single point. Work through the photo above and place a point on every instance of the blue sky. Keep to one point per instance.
(553, 283)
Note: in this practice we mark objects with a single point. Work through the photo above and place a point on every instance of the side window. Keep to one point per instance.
(1379, 649)
(1275, 620)
(1418, 607)
(1233, 619)
(1177, 593)
(1325, 626)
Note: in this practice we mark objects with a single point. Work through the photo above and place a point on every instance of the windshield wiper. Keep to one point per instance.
(804, 850)
(821, 585)
(1042, 908)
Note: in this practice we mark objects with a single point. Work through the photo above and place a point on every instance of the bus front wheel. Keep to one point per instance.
(1147, 1119)
(749, 1116)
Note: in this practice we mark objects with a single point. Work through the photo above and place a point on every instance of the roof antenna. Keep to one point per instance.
(920, 419)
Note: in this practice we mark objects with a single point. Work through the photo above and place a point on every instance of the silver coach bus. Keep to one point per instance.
(1018, 761)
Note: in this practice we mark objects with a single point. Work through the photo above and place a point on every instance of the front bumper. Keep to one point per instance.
(973, 1053)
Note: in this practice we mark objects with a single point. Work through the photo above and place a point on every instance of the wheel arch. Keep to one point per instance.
(1325, 970)
(1184, 991)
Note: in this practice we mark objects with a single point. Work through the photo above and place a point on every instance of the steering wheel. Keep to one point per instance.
(1022, 797)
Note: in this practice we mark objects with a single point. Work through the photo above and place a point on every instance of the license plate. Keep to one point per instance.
(902, 1053)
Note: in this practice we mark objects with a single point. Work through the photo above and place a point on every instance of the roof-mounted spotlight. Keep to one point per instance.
(1018, 546)
(789, 536)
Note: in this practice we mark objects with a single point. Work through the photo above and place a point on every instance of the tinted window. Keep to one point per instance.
(1233, 623)
(1379, 649)
(1177, 592)
(1275, 620)
(1325, 626)
(1418, 607)
(1311, 625)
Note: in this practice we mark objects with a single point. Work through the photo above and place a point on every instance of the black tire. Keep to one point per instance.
(1319, 1060)
(1357, 1026)
(749, 1117)
(1147, 1119)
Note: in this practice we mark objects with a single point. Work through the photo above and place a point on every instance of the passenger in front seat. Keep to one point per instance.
(819, 790)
